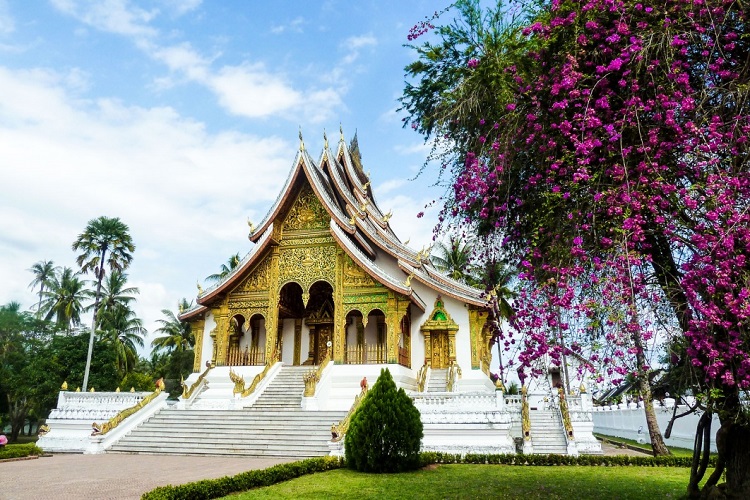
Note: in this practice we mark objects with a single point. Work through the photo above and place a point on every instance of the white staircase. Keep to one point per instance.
(547, 433)
(438, 381)
(275, 426)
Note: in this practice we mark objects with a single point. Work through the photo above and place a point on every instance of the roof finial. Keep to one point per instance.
(388, 216)
(301, 142)
(341, 132)
(325, 140)
(200, 288)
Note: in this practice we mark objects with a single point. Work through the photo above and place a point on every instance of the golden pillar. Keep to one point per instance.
(197, 328)
(272, 317)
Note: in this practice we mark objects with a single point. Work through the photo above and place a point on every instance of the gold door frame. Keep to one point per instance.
(440, 322)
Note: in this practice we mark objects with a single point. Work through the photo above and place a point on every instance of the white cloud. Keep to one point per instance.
(353, 46)
(294, 26)
(250, 90)
(180, 7)
(185, 193)
(114, 16)
(7, 24)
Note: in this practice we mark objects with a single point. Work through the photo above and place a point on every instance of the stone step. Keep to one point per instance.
(274, 425)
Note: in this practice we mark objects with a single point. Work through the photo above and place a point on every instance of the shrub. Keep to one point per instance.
(217, 488)
(385, 432)
(19, 451)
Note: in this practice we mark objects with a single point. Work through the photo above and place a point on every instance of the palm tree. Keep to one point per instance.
(227, 268)
(115, 293)
(125, 332)
(44, 271)
(65, 298)
(102, 236)
(176, 334)
(454, 259)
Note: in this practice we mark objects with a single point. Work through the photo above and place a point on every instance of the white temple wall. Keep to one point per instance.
(207, 347)
(287, 339)
(388, 264)
(417, 340)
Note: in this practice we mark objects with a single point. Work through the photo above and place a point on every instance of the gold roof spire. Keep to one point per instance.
(325, 140)
(301, 142)
(341, 132)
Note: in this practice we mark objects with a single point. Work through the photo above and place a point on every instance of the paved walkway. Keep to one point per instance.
(115, 476)
(124, 476)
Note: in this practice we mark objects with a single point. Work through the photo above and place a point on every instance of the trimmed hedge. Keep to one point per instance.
(428, 458)
(217, 488)
(19, 450)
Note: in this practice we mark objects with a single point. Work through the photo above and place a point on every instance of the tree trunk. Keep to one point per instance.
(644, 386)
(737, 461)
(654, 433)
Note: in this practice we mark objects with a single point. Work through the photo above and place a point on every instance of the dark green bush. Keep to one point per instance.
(19, 451)
(385, 433)
(217, 488)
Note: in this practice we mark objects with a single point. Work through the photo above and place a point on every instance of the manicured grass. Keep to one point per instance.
(487, 481)
(678, 452)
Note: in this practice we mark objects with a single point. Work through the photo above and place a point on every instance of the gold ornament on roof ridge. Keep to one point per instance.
(301, 142)
(200, 288)
(388, 216)
(325, 140)
(64, 385)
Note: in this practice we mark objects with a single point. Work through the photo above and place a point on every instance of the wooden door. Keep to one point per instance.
(440, 350)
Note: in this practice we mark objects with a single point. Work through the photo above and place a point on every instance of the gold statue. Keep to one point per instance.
(388, 216)
(200, 288)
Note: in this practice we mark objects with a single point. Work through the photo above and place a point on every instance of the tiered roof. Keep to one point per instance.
(357, 224)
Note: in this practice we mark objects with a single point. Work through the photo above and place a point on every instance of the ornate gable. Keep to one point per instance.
(306, 212)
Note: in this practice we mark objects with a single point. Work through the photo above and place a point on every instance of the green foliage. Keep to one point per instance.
(19, 451)
(138, 381)
(385, 433)
(216, 488)
(428, 458)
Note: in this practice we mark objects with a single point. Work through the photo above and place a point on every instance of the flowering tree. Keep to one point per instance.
(606, 142)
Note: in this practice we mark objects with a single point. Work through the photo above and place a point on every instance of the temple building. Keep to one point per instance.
(287, 342)
(328, 276)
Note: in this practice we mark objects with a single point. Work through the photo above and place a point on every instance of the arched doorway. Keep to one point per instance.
(319, 321)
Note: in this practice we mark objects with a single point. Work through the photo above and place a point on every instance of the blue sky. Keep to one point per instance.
(181, 118)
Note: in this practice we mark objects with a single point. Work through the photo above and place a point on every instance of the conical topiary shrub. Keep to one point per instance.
(385, 432)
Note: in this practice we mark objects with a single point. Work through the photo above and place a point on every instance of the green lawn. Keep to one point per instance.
(487, 481)
(678, 452)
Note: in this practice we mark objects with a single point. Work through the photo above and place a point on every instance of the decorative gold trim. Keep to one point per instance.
(565, 414)
(312, 377)
(186, 393)
(239, 382)
(422, 377)
(101, 429)
(338, 431)
(525, 418)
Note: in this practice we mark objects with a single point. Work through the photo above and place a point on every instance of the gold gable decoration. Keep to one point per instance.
(307, 212)
(439, 318)
(355, 275)
(258, 279)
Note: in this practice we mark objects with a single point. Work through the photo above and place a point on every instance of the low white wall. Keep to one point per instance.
(630, 423)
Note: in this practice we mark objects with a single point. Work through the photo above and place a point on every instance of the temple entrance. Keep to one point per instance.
(319, 320)
(440, 350)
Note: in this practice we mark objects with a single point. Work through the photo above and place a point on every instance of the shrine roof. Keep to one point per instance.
(357, 223)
